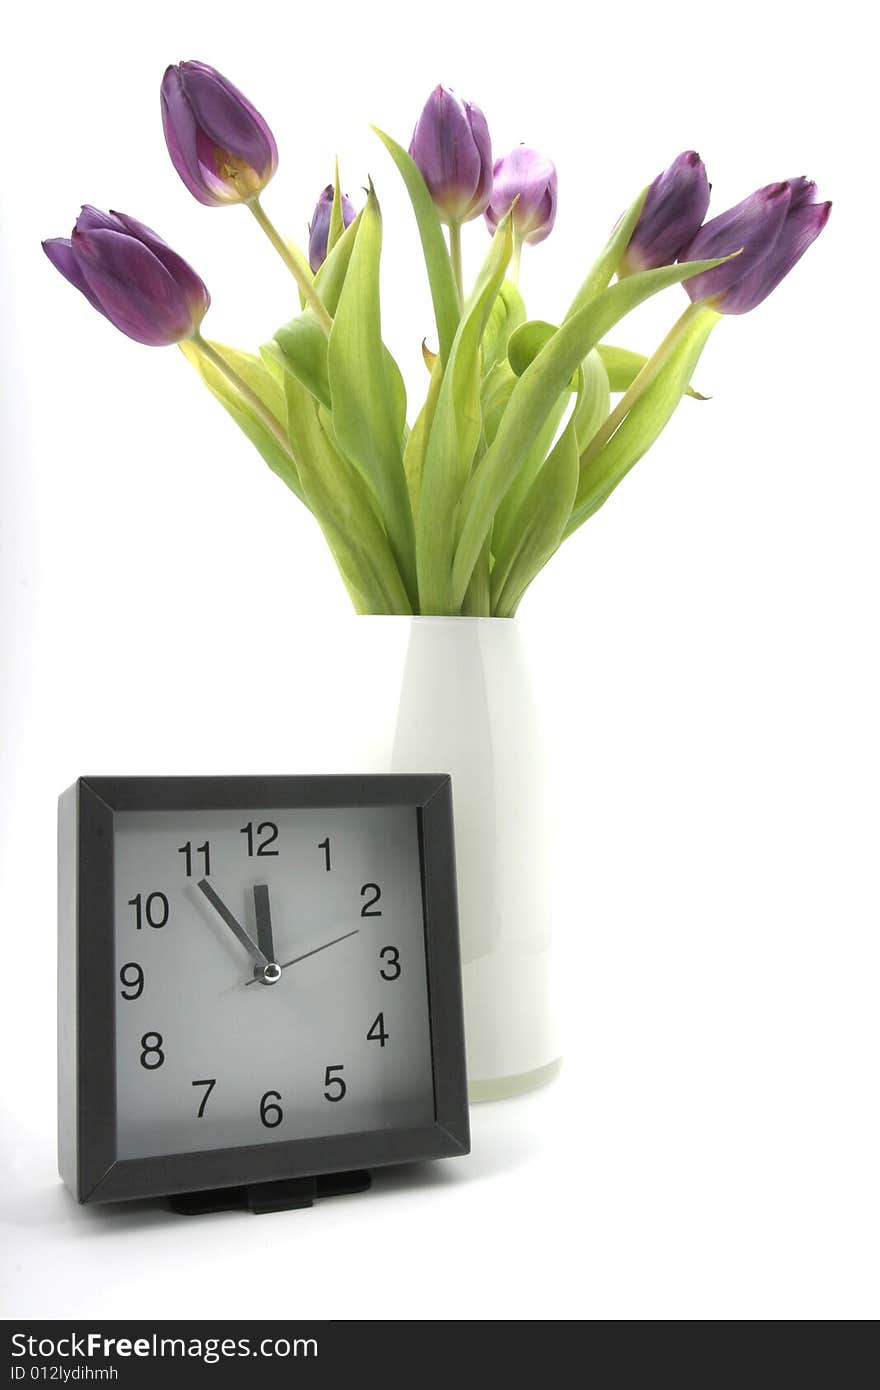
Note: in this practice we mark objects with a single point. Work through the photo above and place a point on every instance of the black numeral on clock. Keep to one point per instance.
(377, 1031)
(210, 1083)
(270, 1113)
(132, 977)
(268, 829)
(151, 1047)
(370, 904)
(325, 846)
(154, 910)
(204, 850)
(391, 955)
(330, 1081)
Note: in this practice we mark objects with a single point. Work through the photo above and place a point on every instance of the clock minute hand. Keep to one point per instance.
(235, 927)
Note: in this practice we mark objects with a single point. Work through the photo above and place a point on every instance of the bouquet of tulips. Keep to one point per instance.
(517, 442)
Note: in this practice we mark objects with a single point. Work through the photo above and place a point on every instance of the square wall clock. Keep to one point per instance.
(259, 983)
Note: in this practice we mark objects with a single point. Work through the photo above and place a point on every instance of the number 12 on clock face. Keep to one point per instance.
(274, 986)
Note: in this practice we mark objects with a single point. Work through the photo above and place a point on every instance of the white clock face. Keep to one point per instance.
(270, 977)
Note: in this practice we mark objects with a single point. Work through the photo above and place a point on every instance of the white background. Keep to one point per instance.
(706, 649)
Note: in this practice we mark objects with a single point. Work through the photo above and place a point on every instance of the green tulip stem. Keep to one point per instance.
(296, 264)
(455, 258)
(247, 394)
(645, 378)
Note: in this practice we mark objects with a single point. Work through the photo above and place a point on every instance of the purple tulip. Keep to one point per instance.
(528, 176)
(452, 148)
(319, 227)
(673, 213)
(131, 276)
(219, 144)
(773, 227)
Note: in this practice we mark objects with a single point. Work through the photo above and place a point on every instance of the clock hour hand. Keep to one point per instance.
(265, 965)
(263, 914)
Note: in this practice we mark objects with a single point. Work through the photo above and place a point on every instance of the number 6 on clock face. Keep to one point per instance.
(278, 965)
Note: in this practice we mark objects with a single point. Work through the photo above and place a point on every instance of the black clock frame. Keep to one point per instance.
(88, 1161)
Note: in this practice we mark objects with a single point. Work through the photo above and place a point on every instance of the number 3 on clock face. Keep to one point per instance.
(270, 973)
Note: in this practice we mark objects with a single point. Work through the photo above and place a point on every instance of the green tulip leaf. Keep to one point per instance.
(497, 390)
(414, 453)
(329, 281)
(610, 257)
(624, 366)
(477, 602)
(508, 514)
(260, 380)
(302, 345)
(527, 341)
(643, 424)
(440, 277)
(252, 371)
(533, 398)
(331, 275)
(538, 526)
(343, 507)
(396, 395)
(337, 221)
(366, 396)
(508, 312)
(273, 360)
(594, 401)
(455, 433)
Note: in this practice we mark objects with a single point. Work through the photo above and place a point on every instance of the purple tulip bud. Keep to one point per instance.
(131, 276)
(671, 216)
(773, 227)
(452, 148)
(219, 144)
(528, 176)
(319, 227)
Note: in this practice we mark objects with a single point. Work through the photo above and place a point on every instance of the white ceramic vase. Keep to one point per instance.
(466, 707)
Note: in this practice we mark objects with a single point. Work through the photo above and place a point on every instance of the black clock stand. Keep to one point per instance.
(289, 1194)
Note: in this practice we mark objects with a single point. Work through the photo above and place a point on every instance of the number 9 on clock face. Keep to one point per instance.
(267, 962)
